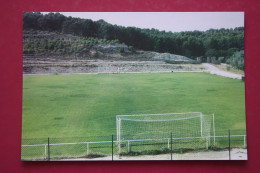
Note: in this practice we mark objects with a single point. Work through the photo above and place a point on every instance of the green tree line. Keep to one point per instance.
(213, 42)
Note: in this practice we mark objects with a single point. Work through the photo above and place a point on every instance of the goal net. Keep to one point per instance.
(157, 126)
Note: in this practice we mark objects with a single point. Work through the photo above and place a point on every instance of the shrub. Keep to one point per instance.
(131, 48)
(228, 68)
(115, 41)
(28, 51)
(94, 155)
(221, 59)
(237, 60)
(146, 152)
(50, 45)
(79, 49)
(90, 43)
(25, 51)
(122, 49)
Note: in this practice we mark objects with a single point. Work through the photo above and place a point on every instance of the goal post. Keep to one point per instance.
(157, 126)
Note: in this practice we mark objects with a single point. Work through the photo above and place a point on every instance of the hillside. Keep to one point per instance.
(58, 37)
(58, 45)
(213, 42)
(52, 52)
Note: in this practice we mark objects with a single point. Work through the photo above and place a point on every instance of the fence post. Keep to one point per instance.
(87, 148)
(128, 146)
(49, 149)
(229, 144)
(45, 151)
(171, 145)
(244, 141)
(207, 143)
(119, 139)
(201, 123)
(214, 129)
(112, 148)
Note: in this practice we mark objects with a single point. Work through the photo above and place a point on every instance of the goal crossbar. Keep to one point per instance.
(160, 120)
(159, 114)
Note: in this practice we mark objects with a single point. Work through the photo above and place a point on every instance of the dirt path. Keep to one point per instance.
(214, 70)
(236, 154)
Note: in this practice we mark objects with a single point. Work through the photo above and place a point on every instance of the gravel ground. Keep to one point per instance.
(105, 66)
(54, 66)
(236, 154)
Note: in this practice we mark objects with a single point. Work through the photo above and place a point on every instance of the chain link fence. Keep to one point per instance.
(225, 145)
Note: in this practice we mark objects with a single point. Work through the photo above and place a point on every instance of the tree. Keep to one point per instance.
(214, 42)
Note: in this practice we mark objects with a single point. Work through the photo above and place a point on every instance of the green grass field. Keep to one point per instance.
(86, 105)
(68, 107)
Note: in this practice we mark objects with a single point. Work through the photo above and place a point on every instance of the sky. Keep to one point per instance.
(167, 21)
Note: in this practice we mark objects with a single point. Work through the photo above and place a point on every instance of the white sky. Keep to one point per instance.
(168, 21)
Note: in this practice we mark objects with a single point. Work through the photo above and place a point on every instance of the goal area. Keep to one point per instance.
(158, 126)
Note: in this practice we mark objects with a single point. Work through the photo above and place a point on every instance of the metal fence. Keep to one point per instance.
(227, 145)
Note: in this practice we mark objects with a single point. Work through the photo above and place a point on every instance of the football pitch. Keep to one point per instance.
(85, 105)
